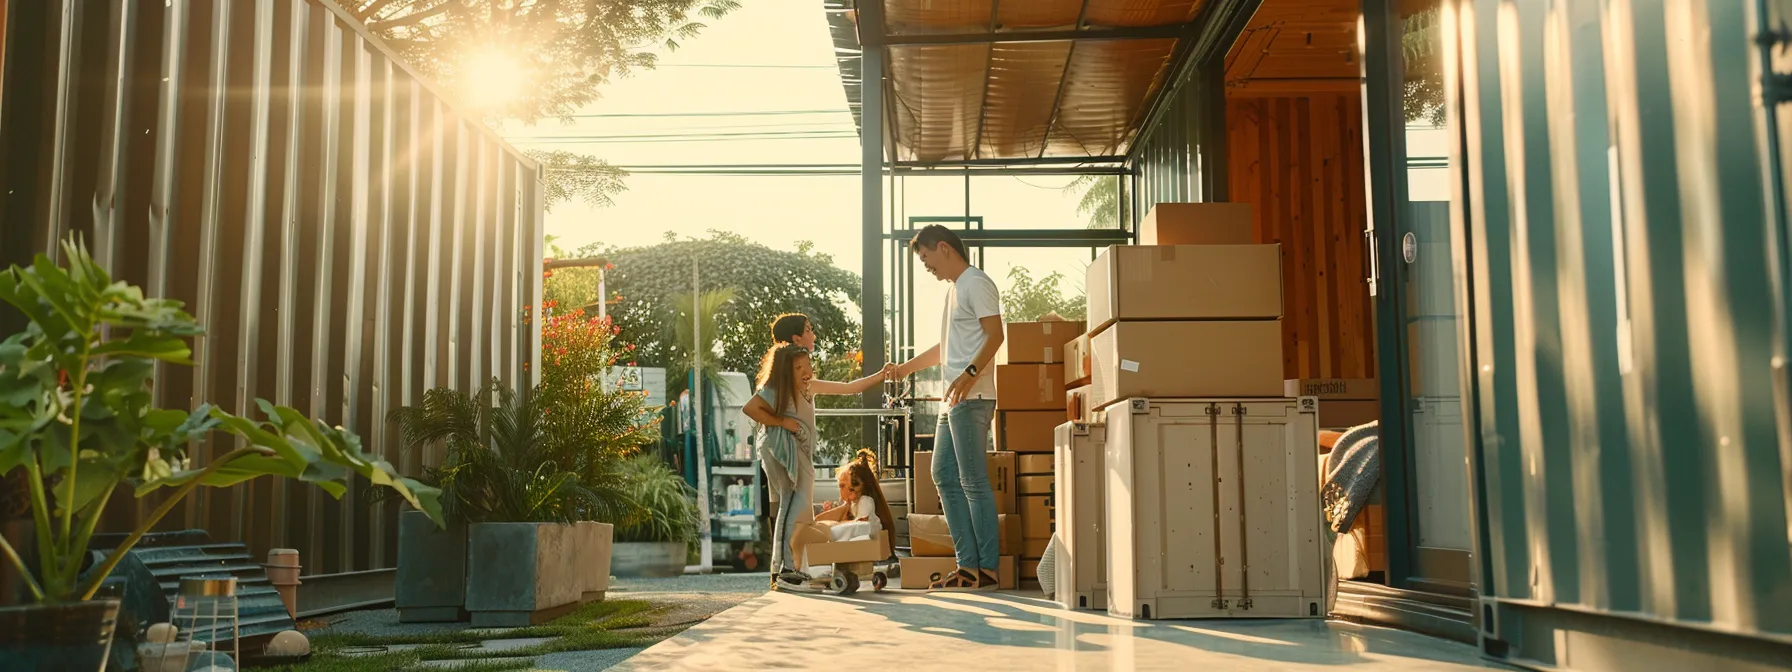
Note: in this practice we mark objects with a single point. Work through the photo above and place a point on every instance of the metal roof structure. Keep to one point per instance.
(992, 83)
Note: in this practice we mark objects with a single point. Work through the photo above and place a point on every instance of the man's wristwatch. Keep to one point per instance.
(971, 369)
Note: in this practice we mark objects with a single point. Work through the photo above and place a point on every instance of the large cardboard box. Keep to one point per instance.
(1185, 282)
(1033, 464)
(1029, 387)
(1036, 517)
(1187, 359)
(875, 549)
(1037, 485)
(926, 499)
(917, 573)
(1034, 548)
(1197, 224)
(1029, 569)
(1038, 342)
(929, 536)
(1076, 361)
(1332, 388)
(1027, 431)
(1200, 491)
(1081, 563)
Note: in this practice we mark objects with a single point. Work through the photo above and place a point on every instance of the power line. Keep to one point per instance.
(767, 66)
(750, 113)
(745, 137)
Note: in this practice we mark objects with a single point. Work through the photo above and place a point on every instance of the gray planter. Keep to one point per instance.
(597, 538)
(521, 574)
(649, 559)
(432, 570)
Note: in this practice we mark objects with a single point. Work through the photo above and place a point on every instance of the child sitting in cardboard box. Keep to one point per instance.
(850, 532)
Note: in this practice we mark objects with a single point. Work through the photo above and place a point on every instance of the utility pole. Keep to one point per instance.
(706, 563)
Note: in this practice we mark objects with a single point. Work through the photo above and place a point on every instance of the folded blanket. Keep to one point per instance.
(1352, 471)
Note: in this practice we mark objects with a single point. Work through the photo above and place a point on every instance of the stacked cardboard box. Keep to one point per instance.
(930, 540)
(1343, 402)
(1185, 321)
(1030, 404)
(1197, 224)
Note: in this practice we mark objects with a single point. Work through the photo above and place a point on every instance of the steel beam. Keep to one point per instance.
(871, 157)
(1171, 31)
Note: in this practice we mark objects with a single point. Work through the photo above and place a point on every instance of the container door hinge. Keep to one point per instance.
(1776, 87)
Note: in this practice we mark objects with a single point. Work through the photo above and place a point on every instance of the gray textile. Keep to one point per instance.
(1352, 471)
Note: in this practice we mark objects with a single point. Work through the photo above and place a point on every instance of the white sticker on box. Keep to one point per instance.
(1048, 329)
(1048, 355)
(1129, 365)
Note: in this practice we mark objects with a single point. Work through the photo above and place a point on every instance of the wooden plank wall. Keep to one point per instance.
(1299, 161)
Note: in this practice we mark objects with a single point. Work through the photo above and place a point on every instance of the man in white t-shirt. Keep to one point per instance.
(970, 335)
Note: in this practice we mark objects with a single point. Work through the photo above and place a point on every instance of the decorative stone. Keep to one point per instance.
(290, 643)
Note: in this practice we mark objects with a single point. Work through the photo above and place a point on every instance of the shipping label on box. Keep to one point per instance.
(1036, 485)
(1038, 342)
(1197, 224)
(1033, 464)
(1076, 361)
(1036, 520)
(1029, 387)
(1187, 359)
(919, 573)
(1027, 431)
(1185, 282)
(1332, 388)
(1001, 483)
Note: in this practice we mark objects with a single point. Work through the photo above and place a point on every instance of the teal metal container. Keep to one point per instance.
(1622, 190)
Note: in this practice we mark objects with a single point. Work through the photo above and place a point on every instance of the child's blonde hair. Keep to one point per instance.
(778, 369)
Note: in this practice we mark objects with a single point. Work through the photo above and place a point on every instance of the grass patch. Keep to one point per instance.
(591, 627)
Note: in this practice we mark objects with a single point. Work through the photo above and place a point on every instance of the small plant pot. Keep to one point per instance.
(69, 637)
(598, 539)
(521, 574)
(431, 585)
(652, 559)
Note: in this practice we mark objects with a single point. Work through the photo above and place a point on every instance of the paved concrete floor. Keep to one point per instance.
(992, 631)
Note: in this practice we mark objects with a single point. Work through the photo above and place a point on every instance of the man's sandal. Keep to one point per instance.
(958, 581)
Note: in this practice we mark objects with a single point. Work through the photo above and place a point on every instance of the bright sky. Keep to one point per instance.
(772, 56)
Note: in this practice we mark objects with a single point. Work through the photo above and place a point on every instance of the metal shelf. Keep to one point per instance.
(725, 470)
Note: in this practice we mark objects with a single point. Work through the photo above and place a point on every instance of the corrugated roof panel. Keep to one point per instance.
(1037, 14)
(907, 17)
(1140, 13)
(938, 99)
(1109, 83)
(1023, 82)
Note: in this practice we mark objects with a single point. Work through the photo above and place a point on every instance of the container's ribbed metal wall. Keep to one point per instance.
(347, 238)
(1167, 158)
(1630, 441)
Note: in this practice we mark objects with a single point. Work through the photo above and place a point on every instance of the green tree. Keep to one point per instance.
(1423, 88)
(1027, 299)
(572, 176)
(1101, 200)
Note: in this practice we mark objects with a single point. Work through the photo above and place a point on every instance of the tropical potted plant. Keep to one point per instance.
(77, 418)
(654, 539)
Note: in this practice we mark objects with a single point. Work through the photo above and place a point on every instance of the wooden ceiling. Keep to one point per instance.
(1296, 46)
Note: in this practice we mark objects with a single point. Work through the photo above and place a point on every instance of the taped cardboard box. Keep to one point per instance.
(1197, 224)
(1036, 485)
(1343, 414)
(1186, 282)
(875, 549)
(926, 499)
(929, 536)
(1332, 388)
(1036, 520)
(1027, 431)
(1033, 464)
(1241, 358)
(918, 573)
(1029, 387)
(1041, 342)
(1029, 569)
(1078, 403)
(1034, 548)
(1076, 361)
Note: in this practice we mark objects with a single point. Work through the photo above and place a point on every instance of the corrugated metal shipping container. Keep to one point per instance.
(348, 238)
(1622, 191)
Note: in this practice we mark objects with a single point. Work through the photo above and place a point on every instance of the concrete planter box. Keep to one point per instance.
(598, 538)
(649, 559)
(521, 574)
(431, 584)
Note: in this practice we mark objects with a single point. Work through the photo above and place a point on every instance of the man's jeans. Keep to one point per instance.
(961, 472)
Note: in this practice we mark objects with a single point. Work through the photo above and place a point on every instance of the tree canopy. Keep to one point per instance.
(1027, 300)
